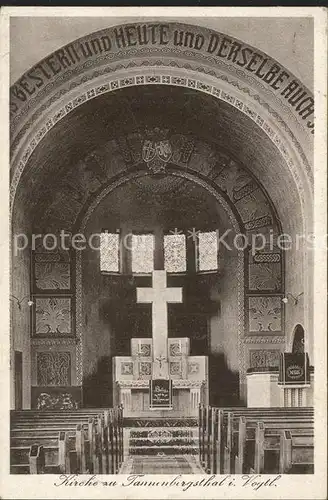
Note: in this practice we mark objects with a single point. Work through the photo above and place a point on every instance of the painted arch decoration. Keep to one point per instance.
(111, 59)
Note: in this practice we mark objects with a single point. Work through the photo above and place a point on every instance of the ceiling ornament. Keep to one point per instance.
(156, 150)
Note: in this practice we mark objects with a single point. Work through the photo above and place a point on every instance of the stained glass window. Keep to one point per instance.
(109, 252)
(175, 253)
(207, 251)
(142, 253)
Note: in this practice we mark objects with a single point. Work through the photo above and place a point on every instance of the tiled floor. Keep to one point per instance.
(182, 464)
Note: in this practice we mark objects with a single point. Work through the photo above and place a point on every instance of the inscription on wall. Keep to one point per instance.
(120, 39)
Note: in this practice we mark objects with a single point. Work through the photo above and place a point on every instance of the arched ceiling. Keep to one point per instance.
(94, 124)
(166, 201)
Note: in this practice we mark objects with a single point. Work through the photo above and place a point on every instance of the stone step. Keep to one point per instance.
(172, 450)
(164, 439)
(170, 429)
(145, 433)
(163, 422)
(171, 442)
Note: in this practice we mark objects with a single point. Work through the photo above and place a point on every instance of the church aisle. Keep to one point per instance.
(161, 464)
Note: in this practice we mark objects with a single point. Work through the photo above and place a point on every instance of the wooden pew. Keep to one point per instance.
(94, 445)
(69, 441)
(216, 437)
(296, 453)
(36, 459)
(257, 441)
(232, 443)
(48, 458)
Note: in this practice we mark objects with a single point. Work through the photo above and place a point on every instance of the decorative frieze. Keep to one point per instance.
(53, 368)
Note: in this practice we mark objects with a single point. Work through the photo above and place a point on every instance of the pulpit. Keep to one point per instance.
(289, 385)
(133, 376)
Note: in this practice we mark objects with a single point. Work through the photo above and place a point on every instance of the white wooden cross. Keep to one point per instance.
(159, 296)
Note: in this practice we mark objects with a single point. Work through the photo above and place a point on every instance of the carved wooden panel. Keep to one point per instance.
(53, 368)
(53, 316)
(265, 314)
(265, 276)
(52, 276)
(264, 358)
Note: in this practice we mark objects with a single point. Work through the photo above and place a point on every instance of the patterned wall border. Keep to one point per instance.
(78, 320)
(53, 342)
(100, 62)
(128, 58)
(240, 267)
(199, 85)
(265, 339)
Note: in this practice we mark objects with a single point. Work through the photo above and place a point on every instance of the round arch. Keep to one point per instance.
(102, 66)
(244, 339)
(177, 54)
(298, 339)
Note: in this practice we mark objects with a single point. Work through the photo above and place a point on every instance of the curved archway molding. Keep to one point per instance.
(293, 156)
(210, 49)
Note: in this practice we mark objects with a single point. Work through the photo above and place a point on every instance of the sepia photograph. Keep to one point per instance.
(166, 278)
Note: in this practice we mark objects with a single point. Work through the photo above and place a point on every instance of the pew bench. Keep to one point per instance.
(219, 428)
(53, 458)
(258, 447)
(296, 453)
(51, 442)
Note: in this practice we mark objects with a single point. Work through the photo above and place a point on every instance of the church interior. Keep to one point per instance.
(155, 330)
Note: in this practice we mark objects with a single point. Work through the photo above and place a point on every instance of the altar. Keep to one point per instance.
(160, 378)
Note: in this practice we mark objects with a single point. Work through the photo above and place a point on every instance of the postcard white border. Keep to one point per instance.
(301, 487)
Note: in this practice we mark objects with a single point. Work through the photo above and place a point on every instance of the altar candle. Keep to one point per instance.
(180, 347)
(139, 346)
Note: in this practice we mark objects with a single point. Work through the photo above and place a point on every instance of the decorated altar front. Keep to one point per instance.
(160, 377)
